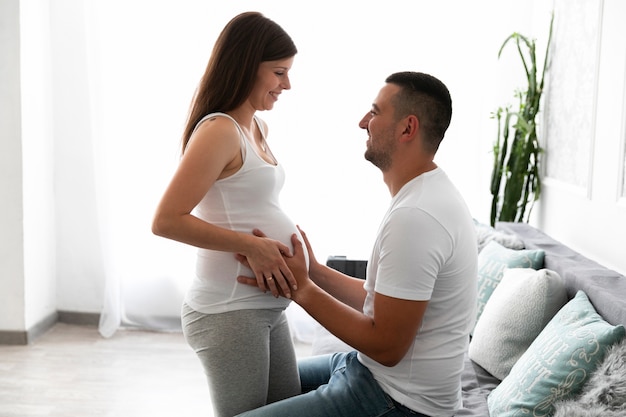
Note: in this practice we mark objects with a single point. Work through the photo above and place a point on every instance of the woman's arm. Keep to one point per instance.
(214, 153)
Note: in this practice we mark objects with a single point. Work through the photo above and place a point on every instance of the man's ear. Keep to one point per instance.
(410, 126)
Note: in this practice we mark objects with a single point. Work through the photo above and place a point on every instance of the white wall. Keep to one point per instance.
(27, 247)
(331, 190)
(12, 315)
(584, 204)
(38, 164)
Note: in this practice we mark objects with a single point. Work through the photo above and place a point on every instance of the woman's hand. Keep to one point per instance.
(267, 260)
(296, 265)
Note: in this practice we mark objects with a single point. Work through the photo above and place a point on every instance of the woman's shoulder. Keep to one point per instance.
(217, 130)
(216, 119)
(219, 123)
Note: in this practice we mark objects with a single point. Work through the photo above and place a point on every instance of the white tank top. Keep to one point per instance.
(241, 202)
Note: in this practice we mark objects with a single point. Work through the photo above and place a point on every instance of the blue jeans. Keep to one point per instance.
(336, 385)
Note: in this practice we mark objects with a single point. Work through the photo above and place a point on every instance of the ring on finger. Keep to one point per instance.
(269, 278)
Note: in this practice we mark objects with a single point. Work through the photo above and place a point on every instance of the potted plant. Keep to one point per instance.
(515, 178)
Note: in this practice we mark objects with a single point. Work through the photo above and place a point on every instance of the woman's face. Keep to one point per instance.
(271, 79)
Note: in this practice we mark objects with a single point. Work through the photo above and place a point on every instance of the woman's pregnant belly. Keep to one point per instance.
(215, 287)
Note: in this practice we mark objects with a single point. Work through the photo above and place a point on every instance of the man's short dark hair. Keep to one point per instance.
(427, 98)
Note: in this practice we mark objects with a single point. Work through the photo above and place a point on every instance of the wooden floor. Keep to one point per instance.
(72, 371)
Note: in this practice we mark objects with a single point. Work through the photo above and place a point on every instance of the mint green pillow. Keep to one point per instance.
(558, 362)
(493, 260)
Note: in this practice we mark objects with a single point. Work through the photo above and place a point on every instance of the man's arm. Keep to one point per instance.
(336, 300)
(385, 337)
(347, 289)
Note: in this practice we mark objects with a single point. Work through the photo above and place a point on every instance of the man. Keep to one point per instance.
(410, 321)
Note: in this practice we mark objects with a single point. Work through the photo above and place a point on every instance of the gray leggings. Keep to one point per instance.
(247, 356)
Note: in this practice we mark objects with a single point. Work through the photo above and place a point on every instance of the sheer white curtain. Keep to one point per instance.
(145, 58)
(139, 78)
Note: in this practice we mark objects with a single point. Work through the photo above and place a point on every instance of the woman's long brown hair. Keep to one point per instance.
(245, 42)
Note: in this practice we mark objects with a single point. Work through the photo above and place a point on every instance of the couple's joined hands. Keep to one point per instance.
(292, 275)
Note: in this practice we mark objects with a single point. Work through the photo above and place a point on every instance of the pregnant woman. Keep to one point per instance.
(226, 186)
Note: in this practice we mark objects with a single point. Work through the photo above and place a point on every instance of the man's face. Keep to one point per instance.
(381, 124)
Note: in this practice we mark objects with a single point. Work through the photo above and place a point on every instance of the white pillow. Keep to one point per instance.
(517, 311)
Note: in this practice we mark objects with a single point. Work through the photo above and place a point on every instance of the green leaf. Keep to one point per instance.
(515, 182)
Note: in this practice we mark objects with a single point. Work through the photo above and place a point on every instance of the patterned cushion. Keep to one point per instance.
(518, 310)
(558, 362)
(493, 260)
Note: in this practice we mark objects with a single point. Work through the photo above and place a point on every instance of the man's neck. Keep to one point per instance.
(396, 179)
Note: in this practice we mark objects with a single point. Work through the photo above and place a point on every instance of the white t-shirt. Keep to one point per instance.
(243, 201)
(426, 250)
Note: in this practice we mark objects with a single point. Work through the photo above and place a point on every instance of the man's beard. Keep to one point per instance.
(381, 158)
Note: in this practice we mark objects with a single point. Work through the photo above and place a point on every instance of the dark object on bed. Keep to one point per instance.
(354, 268)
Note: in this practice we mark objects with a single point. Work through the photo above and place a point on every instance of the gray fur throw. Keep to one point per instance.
(604, 394)
(486, 233)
